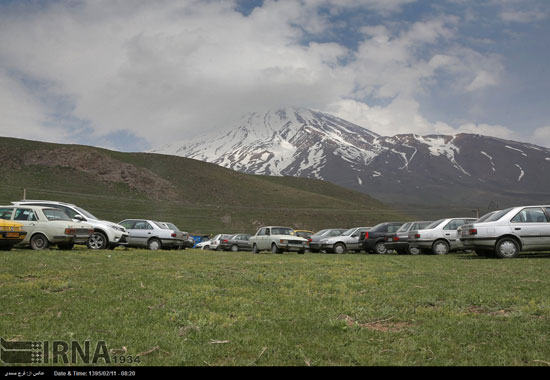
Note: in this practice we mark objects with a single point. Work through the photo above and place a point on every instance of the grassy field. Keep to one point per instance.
(212, 308)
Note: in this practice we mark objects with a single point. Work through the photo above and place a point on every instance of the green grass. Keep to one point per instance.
(212, 308)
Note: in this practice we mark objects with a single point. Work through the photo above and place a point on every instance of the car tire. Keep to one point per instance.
(339, 248)
(154, 244)
(274, 249)
(39, 242)
(440, 247)
(413, 251)
(255, 248)
(234, 248)
(65, 246)
(507, 248)
(97, 240)
(380, 248)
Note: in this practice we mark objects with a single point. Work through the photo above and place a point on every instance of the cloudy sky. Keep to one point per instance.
(132, 75)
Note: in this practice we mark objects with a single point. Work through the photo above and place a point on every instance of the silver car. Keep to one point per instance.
(149, 234)
(508, 232)
(440, 237)
(315, 243)
(347, 241)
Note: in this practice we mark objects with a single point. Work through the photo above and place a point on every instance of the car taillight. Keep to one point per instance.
(70, 231)
(417, 236)
(472, 231)
(366, 235)
(396, 238)
(173, 234)
(224, 241)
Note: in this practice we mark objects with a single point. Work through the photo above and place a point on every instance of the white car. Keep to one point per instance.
(508, 232)
(440, 237)
(203, 245)
(47, 226)
(143, 233)
(106, 234)
(278, 240)
(213, 243)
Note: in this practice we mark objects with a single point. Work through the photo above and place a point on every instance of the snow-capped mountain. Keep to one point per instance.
(462, 170)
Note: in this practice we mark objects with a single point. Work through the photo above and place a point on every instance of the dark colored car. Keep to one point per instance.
(235, 243)
(315, 242)
(372, 241)
(399, 240)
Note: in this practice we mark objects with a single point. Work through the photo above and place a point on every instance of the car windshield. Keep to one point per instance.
(321, 233)
(485, 217)
(85, 213)
(423, 224)
(282, 231)
(497, 215)
(172, 226)
(55, 214)
(434, 224)
(349, 232)
(404, 227)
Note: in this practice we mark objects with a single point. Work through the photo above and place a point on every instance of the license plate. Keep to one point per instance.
(12, 234)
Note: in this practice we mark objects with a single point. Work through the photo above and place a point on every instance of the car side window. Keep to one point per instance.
(5, 213)
(454, 224)
(530, 215)
(261, 232)
(142, 225)
(128, 224)
(24, 214)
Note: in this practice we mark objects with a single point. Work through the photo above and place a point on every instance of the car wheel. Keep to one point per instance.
(255, 248)
(97, 240)
(274, 249)
(154, 244)
(235, 248)
(440, 247)
(380, 248)
(507, 248)
(413, 251)
(339, 248)
(39, 242)
(65, 246)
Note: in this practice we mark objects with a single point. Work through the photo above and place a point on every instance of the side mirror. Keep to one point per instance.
(79, 217)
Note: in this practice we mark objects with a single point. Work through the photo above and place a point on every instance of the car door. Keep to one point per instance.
(450, 231)
(243, 242)
(530, 224)
(352, 241)
(142, 232)
(28, 218)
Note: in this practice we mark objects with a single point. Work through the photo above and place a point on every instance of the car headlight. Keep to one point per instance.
(117, 228)
(283, 241)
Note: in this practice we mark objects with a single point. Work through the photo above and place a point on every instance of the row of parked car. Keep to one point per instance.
(40, 224)
(503, 233)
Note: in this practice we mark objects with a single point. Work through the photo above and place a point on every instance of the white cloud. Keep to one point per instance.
(170, 69)
(541, 136)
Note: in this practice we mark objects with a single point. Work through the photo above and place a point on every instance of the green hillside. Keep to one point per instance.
(197, 196)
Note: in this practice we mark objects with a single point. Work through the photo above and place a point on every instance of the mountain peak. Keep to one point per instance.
(405, 168)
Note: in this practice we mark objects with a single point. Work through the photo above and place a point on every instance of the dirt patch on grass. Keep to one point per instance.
(380, 325)
(482, 311)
